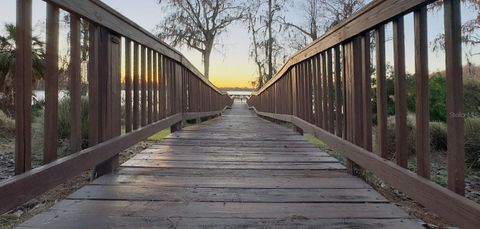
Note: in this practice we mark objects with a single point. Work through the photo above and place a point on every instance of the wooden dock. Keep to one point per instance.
(234, 171)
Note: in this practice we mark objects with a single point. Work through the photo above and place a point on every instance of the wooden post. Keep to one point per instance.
(177, 93)
(136, 86)
(75, 84)
(51, 86)
(366, 92)
(422, 104)
(109, 91)
(143, 93)
(455, 125)
(295, 96)
(338, 94)
(381, 92)
(401, 132)
(23, 87)
(128, 85)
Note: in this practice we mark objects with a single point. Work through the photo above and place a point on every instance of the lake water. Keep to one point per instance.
(243, 93)
(40, 95)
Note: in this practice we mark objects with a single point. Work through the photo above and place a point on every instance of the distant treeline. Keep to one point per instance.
(236, 89)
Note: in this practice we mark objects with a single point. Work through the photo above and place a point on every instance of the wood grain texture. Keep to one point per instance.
(23, 85)
(51, 85)
(75, 82)
(381, 91)
(93, 85)
(136, 87)
(229, 183)
(128, 85)
(401, 133)
(143, 86)
(421, 94)
(366, 92)
(456, 209)
(455, 117)
(338, 93)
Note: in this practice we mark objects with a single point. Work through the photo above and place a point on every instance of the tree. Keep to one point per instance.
(197, 23)
(256, 46)
(321, 15)
(312, 24)
(470, 28)
(262, 21)
(7, 63)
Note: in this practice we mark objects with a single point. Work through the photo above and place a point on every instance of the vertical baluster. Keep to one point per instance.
(75, 85)
(23, 87)
(155, 87)
(93, 85)
(366, 91)
(306, 80)
(400, 92)
(304, 90)
(51, 85)
(357, 92)
(349, 111)
(338, 93)
(381, 92)
(319, 91)
(150, 87)
(311, 88)
(331, 99)
(143, 94)
(162, 87)
(136, 86)
(293, 76)
(171, 74)
(324, 92)
(455, 125)
(344, 89)
(422, 105)
(128, 86)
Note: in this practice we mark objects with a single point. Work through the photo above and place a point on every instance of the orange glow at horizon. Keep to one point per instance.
(222, 75)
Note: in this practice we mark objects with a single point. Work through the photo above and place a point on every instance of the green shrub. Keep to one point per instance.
(438, 136)
(6, 123)
(437, 97)
(64, 119)
(472, 142)
(7, 126)
(471, 94)
(436, 90)
(391, 141)
(63, 127)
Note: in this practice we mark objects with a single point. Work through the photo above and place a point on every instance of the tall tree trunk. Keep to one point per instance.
(206, 58)
(206, 64)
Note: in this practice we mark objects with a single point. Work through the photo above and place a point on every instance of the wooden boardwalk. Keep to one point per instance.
(237, 170)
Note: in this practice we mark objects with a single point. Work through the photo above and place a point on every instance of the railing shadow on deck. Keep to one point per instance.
(324, 90)
(162, 89)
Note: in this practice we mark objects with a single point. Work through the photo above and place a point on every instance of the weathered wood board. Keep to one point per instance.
(235, 171)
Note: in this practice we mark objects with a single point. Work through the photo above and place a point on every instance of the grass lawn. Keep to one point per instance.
(316, 141)
(160, 135)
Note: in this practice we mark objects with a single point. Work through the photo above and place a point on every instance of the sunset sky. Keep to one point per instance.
(230, 62)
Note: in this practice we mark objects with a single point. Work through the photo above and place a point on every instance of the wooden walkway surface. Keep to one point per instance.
(235, 171)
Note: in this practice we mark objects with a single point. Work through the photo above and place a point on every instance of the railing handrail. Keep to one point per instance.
(162, 89)
(347, 31)
(326, 90)
(102, 14)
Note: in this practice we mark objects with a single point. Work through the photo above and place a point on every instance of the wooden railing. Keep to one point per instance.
(325, 90)
(161, 90)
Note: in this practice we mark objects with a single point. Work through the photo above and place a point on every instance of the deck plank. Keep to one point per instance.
(235, 171)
